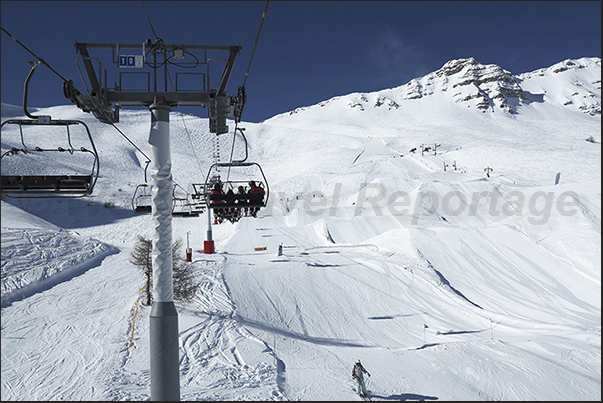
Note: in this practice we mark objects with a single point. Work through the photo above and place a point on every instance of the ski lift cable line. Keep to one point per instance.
(256, 42)
(160, 42)
(150, 23)
(44, 62)
(131, 142)
(148, 161)
(172, 84)
(188, 135)
(245, 78)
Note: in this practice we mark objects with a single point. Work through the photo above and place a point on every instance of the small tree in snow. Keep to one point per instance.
(141, 258)
(185, 286)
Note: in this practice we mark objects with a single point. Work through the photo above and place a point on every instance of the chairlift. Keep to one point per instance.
(25, 171)
(189, 206)
(141, 201)
(19, 160)
(238, 206)
(183, 206)
(197, 196)
(196, 190)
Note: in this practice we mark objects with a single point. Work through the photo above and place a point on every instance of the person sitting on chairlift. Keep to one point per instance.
(256, 197)
(216, 195)
(241, 200)
(230, 198)
(216, 198)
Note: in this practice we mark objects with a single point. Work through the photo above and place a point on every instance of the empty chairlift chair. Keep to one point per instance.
(197, 197)
(141, 201)
(182, 205)
(47, 158)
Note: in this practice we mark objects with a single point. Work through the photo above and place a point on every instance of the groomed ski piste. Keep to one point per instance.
(447, 284)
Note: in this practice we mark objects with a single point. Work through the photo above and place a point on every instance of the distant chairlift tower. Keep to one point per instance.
(104, 103)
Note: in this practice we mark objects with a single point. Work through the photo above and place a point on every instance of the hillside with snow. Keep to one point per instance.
(446, 232)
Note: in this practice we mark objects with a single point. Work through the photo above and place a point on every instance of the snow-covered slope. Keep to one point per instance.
(447, 232)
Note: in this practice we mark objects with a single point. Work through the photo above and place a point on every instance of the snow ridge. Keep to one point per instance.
(487, 88)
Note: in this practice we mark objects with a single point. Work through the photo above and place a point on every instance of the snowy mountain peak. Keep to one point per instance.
(573, 85)
(471, 83)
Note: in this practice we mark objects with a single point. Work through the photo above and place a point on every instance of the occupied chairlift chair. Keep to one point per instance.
(239, 206)
(21, 184)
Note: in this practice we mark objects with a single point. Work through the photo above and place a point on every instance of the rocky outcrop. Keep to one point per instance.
(484, 87)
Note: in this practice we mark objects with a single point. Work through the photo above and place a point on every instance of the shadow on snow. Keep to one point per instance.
(404, 396)
(70, 212)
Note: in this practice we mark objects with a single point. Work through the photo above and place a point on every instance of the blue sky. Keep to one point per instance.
(308, 51)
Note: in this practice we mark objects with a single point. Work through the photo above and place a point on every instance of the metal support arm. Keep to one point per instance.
(101, 99)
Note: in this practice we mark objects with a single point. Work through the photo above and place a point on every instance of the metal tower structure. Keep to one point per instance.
(145, 62)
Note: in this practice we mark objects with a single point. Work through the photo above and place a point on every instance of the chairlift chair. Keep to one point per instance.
(141, 201)
(182, 206)
(234, 210)
(197, 196)
(18, 160)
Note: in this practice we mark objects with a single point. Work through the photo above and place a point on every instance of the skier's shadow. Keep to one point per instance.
(403, 397)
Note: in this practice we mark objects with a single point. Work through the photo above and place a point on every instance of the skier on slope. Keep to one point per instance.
(358, 375)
